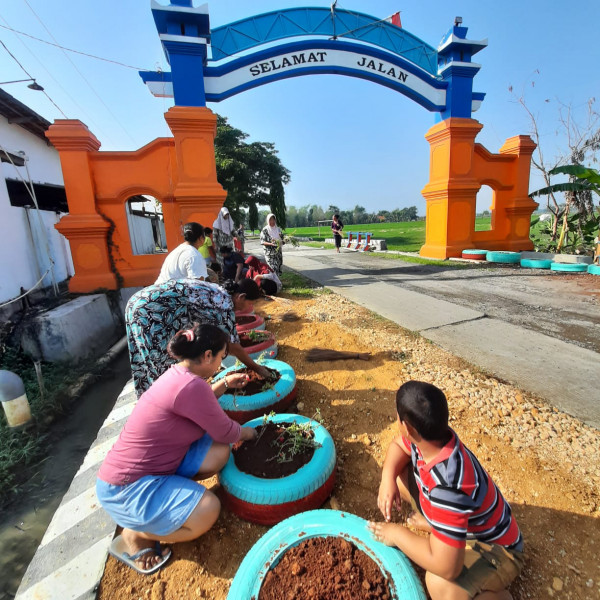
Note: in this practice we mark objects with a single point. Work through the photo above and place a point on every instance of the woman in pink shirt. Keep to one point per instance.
(176, 433)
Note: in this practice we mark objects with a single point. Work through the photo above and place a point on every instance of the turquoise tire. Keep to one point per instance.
(569, 267)
(271, 352)
(474, 251)
(307, 479)
(268, 550)
(534, 263)
(504, 257)
(593, 269)
(283, 387)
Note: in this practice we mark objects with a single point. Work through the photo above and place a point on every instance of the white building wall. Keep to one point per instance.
(23, 251)
(140, 233)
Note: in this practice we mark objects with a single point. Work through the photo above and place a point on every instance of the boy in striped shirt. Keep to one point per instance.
(475, 548)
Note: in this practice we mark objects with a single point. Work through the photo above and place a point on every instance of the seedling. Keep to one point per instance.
(258, 336)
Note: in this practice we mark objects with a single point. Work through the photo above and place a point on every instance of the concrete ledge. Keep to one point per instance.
(79, 329)
(377, 245)
(561, 258)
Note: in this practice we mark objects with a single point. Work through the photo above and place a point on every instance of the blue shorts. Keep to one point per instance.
(157, 504)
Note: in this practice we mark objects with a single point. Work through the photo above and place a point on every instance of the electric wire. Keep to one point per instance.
(28, 291)
(37, 39)
(82, 75)
(30, 77)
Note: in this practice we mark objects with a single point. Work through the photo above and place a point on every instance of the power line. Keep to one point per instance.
(29, 75)
(37, 39)
(81, 74)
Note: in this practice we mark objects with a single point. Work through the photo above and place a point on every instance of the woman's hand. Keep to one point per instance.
(247, 434)
(263, 371)
(237, 381)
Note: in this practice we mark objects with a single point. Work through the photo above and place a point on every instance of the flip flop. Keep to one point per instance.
(118, 549)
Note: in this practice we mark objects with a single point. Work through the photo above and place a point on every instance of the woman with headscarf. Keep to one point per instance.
(223, 233)
(154, 314)
(271, 239)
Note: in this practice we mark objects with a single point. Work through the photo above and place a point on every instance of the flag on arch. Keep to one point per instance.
(394, 19)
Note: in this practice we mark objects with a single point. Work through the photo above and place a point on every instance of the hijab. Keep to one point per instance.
(223, 224)
(274, 232)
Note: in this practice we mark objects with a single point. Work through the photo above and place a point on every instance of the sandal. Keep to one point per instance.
(118, 549)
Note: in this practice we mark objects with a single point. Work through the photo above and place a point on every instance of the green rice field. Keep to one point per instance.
(405, 237)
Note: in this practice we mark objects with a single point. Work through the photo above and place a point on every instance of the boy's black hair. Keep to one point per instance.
(268, 286)
(226, 249)
(425, 408)
(207, 231)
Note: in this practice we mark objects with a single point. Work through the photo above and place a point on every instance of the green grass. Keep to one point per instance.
(405, 237)
(22, 448)
(298, 285)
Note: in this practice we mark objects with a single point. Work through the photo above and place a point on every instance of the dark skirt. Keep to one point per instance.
(338, 240)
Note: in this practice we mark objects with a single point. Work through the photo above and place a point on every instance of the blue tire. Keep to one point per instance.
(278, 398)
(268, 550)
(593, 269)
(474, 251)
(535, 263)
(569, 267)
(503, 257)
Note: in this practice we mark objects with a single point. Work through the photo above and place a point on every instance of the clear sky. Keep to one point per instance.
(346, 141)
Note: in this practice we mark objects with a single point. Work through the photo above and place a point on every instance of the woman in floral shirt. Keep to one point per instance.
(271, 239)
(154, 314)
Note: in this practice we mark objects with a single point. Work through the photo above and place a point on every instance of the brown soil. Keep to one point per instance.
(244, 320)
(330, 568)
(273, 455)
(546, 463)
(246, 341)
(256, 383)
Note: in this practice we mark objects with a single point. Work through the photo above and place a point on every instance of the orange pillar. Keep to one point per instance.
(451, 192)
(85, 229)
(198, 194)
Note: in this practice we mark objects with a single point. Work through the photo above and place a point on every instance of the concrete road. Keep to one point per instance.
(539, 331)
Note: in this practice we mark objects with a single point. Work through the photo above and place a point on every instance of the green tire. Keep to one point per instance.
(535, 263)
(569, 267)
(593, 269)
(504, 257)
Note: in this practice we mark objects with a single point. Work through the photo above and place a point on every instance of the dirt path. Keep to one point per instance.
(546, 463)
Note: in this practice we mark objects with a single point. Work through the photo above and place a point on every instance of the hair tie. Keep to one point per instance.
(189, 335)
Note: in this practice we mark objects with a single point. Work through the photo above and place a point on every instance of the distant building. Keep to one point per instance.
(28, 160)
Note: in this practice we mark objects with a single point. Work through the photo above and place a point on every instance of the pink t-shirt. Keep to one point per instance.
(178, 409)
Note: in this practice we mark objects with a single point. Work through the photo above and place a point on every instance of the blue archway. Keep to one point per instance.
(210, 66)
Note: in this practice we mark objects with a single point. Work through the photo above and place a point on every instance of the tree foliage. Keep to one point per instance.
(251, 173)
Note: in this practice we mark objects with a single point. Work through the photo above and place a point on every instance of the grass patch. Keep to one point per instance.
(21, 449)
(295, 284)
(422, 261)
(318, 245)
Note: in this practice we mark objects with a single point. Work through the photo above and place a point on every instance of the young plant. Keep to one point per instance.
(295, 438)
(258, 336)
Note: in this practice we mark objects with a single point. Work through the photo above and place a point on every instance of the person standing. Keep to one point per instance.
(337, 227)
(185, 262)
(223, 233)
(271, 239)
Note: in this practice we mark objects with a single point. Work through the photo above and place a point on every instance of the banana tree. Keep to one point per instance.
(584, 182)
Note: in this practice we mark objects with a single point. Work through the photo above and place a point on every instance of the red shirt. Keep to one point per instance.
(178, 409)
(460, 500)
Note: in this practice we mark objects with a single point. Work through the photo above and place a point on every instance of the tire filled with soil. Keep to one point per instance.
(325, 567)
(249, 322)
(260, 396)
(272, 455)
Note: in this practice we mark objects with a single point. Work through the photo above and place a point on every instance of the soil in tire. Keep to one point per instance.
(256, 383)
(325, 567)
(268, 456)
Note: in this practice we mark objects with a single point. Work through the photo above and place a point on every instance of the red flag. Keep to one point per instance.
(394, 19)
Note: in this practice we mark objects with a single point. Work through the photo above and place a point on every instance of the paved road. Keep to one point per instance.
(538, 331)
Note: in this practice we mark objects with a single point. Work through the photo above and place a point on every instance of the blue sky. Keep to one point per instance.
(345, 140)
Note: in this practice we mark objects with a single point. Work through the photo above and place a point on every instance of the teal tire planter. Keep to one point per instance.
(278, 398)
(268, 550)
(504, 257)
(535, 263)
(474, 254)
(593, 269)
(569, 267)
(269, 501)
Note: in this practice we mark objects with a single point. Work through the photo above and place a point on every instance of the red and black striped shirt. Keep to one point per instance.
(460, 500)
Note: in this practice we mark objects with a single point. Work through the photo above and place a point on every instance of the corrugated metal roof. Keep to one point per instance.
(18, 113)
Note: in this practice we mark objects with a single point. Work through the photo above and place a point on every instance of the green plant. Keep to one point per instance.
(257, 336)
(294, 438)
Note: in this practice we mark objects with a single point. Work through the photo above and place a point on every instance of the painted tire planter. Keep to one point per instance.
(248, 313)
(268, 346)
(256, 322)
(593, 269)
(504, 257)
(473, 254)
(268, 501)
(535, 263)
(268, 550)
(276, 399)
(569, 267)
